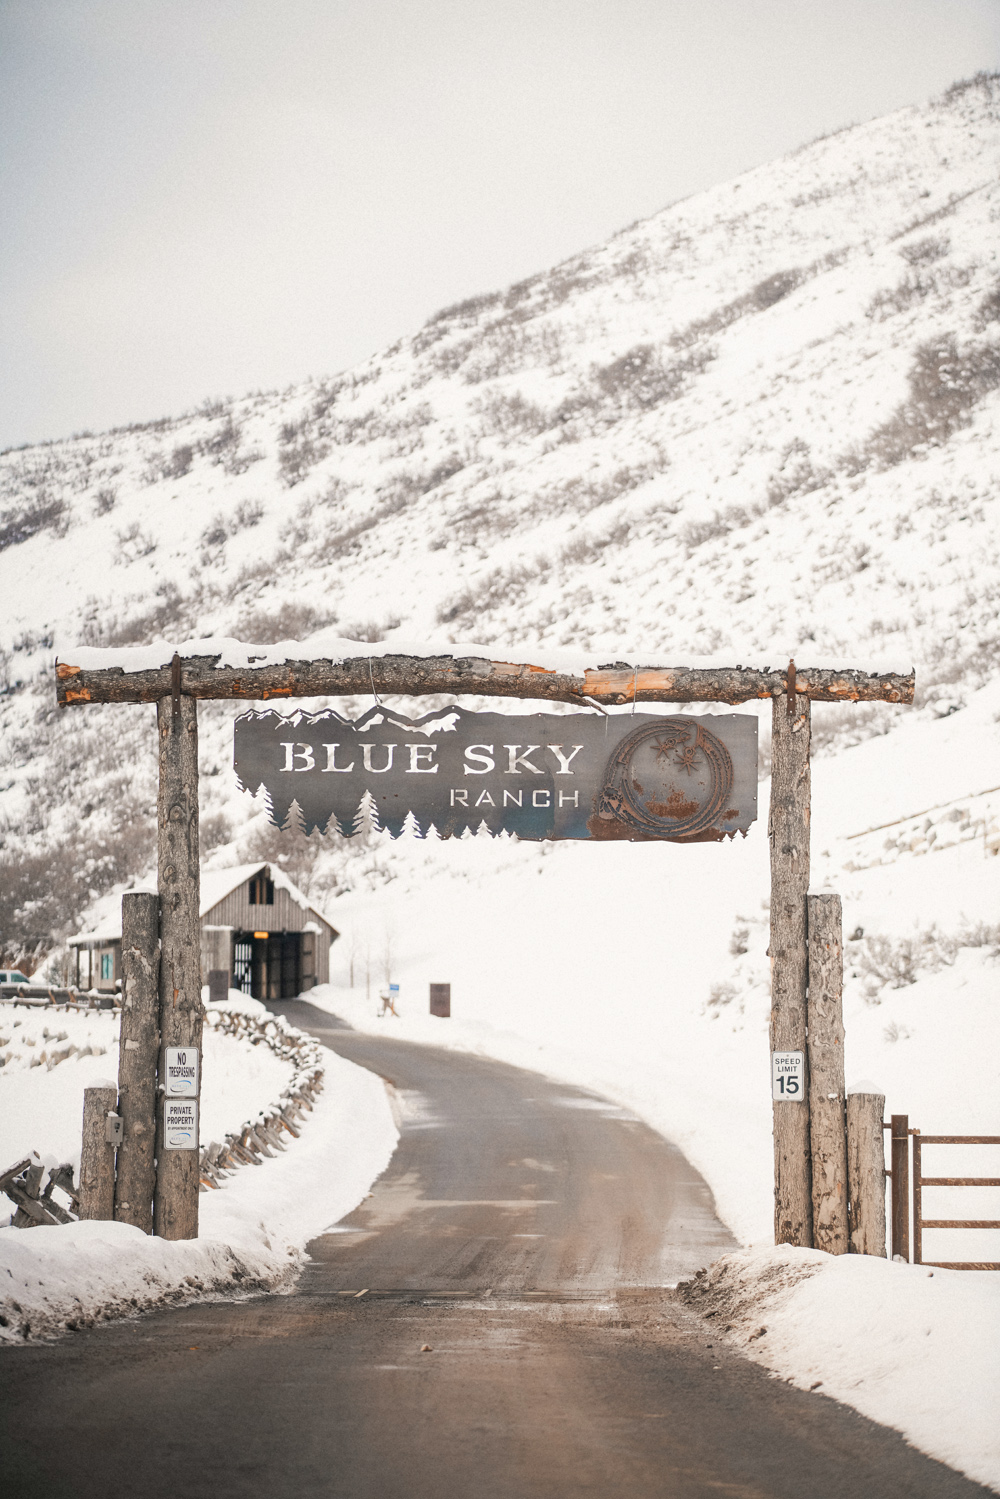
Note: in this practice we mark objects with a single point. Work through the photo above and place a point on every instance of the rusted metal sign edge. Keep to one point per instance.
(685, 778)
(615, 683)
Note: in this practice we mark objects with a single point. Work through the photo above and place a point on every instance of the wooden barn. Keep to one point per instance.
(257, 929)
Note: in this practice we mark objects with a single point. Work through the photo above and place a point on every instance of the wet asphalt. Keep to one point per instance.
(494, 1322)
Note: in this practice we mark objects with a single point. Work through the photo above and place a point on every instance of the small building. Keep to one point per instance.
(256, 926)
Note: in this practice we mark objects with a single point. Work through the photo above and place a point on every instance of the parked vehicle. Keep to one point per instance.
(13, 976)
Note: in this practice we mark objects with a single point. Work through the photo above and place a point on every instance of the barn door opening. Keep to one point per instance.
(268, 965)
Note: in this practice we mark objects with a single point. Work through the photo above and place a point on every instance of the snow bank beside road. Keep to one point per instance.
(49, 1056)
(909, 1346)
(253, 1231)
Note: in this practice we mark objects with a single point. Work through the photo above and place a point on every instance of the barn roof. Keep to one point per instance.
(216, 884)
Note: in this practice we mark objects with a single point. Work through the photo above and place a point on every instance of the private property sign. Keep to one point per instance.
(642, 776)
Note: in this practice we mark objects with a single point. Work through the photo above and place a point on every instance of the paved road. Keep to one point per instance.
(514, 1340)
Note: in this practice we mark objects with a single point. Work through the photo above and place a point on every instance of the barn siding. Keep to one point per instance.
(286, 915)
(234, 913)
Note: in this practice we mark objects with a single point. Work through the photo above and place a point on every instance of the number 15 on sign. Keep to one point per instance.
(787, 1076)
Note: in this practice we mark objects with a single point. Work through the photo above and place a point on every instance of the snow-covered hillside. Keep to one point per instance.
(762, 423)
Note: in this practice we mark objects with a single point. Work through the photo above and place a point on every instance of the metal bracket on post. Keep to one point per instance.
(900, 1196)
(175, 687)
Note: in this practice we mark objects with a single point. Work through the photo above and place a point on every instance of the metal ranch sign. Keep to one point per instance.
(542, 776)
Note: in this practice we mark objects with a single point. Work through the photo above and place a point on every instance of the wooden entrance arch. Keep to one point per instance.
(810, 1161)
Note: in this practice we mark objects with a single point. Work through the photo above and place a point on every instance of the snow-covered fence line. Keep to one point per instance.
(41, 994)
(265, 1134)
(22, 1183)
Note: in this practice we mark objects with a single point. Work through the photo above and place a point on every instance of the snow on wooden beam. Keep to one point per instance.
(206, 676)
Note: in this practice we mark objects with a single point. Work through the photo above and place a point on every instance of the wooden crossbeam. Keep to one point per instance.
(615, 683)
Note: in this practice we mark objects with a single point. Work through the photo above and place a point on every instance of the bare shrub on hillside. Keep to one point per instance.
(289, 621)
(775, 288)
(509, 345)
(9, 683)
(988, 310)
(720, 995)
(471, 309)
(331, 546)
(796, 474)
(502, 414)
(44, 891)
(580, 495)
(945, 384)
(43, 512)
(336, 493)
(214, 407)
(178, 463)
(924, 251)
(696, 533)
(29, 642)
(105, 500)
(985, 82)
(466, 313)
(214, 831)
(759, 298)
(899, 961)
(298, 453)
(447, 358)
(134, 544)
(916, 287)
(37, 900)
(405, 430)
(155, 424)
(501, 586)
(322, 865)
(221, 527)
(589, 548)
(975, 665)
(912, 289)
(640, 378)
(223, 446)
(936, 214)
(486, 519)
(42, 471)
(327, 396)
(840, 726)
(370, 631)
(409, 485)
(215, 535)
(172, 614)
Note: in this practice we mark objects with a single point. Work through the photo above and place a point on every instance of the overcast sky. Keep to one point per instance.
(202, 197)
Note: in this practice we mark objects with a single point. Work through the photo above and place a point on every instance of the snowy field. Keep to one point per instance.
(252, 1231)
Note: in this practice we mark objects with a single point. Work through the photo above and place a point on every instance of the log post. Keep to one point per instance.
(97, 1157)
(827, 1124)
(866, 1173)
(788, 834)
(175, 1210)
(900, 1158)
(138, 1057)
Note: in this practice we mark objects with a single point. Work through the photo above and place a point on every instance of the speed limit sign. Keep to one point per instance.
(787, 1076)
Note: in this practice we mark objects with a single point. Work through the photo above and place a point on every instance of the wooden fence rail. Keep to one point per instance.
(899, 1175)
